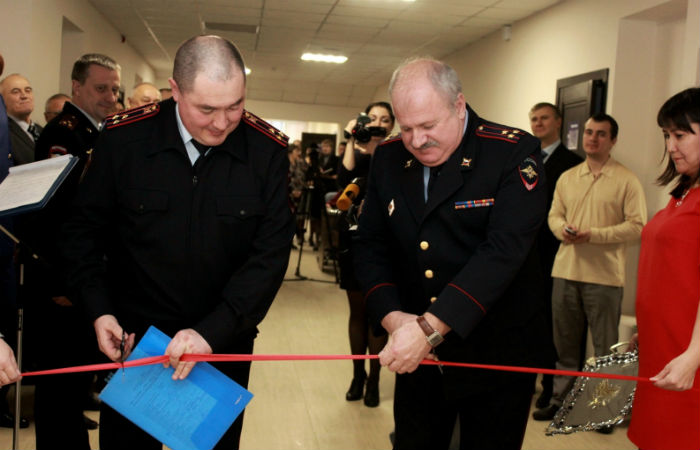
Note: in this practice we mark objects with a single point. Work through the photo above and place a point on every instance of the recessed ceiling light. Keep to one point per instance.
(318, 57)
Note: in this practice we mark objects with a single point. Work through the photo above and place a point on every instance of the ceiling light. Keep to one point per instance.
(247, 71)
(318, 57)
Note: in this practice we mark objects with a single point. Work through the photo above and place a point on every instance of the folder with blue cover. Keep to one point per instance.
(189, 414)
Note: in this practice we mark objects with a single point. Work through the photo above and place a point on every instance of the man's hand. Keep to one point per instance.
(185, 341)
(679, 374)
(9, 372)
(572, 235)
(406, 348)
(109, 338)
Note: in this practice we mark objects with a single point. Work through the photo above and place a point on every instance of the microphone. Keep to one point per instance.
(349, 194)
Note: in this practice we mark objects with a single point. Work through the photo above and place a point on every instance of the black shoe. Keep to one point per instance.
(356, 388)
(607, 429)
(372, 394)
(545, 413)
(92, 403)
(543, 399)
(89, 423)
(7, 420)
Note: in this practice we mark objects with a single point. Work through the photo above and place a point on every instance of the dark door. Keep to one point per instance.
(578, 98)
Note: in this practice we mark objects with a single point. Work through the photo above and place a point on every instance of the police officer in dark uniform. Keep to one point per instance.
(52, 315)
(445, 252)
(187, 199)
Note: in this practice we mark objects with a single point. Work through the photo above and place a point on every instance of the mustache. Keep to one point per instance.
(428, 144)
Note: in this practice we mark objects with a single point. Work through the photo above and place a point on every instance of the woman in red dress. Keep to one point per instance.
(666, 414)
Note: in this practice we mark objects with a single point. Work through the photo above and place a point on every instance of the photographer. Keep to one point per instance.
(363, 138)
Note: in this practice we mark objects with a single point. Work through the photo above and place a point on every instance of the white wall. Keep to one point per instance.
(30, 42)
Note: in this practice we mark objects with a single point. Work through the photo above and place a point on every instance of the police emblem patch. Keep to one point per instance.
(528, 173)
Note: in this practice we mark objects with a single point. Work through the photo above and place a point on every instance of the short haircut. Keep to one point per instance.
(602, 117)
(82, 65)
(384, 105)
(443, 77)
(56, 97)
(212, 54)
(328, 142)
(541, 105)
(679, 111)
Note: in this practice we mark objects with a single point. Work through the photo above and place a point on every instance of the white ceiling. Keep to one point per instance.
(375, 35)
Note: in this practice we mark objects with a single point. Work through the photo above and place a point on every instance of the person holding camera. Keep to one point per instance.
(363, 134)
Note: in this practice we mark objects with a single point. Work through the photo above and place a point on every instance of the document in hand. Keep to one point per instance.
(184, 415)
(30, 186)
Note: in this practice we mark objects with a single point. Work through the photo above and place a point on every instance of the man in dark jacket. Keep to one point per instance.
(445, 253)
(545, 121)
(183, 223)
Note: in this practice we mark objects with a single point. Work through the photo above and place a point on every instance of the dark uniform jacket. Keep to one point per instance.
(22, 143)
(204, 247)
(71, 132)
(467, 255)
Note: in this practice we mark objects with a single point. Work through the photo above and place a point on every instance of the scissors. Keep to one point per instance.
(122, 348)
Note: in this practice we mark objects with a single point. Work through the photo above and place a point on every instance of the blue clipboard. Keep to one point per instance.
(186, 414)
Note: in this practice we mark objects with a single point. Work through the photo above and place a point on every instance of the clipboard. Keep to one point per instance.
(189, 414)
(29, 187)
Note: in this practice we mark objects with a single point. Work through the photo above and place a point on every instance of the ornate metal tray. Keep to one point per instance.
(595, 403)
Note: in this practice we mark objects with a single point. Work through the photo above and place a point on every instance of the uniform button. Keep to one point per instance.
(424, 245)
(432, 299)
(428, 273)
(243, 212)
(141, 207)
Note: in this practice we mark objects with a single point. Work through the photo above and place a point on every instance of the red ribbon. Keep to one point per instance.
(233, 358)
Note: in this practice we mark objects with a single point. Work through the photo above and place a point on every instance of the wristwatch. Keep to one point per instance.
(432, 335)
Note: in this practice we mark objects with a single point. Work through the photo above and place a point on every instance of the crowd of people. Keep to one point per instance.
(469, 241)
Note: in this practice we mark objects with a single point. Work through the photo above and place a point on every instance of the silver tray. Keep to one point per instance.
(595, 403)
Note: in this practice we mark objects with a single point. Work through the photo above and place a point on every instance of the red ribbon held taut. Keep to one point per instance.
(237, 358)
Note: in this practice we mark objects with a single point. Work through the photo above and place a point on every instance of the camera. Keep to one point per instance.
(361, 132)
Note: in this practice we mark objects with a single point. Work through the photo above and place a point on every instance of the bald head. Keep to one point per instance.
(54, 106)
(144, 93)
(18, 95)
(216, 58)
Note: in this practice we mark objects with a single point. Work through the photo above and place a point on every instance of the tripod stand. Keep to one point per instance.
(303, 214)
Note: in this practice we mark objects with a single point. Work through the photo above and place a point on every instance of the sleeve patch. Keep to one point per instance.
(528, 173)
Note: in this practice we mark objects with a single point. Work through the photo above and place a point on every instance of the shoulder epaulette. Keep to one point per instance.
(68, 120)
(391, 138)
(131, 115)
(492, 131)
(265, 128)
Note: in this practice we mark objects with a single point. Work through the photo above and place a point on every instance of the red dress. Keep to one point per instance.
(668, 295)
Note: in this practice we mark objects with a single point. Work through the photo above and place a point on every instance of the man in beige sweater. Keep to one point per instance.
(598, 207)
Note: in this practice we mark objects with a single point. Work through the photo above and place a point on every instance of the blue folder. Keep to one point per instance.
(189, 414)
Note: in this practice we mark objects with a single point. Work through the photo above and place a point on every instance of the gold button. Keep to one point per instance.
(428, 273)
(424, 245)
(432, 299)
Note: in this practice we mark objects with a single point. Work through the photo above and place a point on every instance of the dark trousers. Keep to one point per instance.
(62, 338)
(118, 433)
(493, 419)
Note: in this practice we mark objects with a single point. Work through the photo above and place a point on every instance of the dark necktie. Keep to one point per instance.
(34, 131)
(544, 154)
(434, 174)
(201, 148)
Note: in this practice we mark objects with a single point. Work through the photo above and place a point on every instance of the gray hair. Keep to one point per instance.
(211, 53)
(82, 65)
(442, 77)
